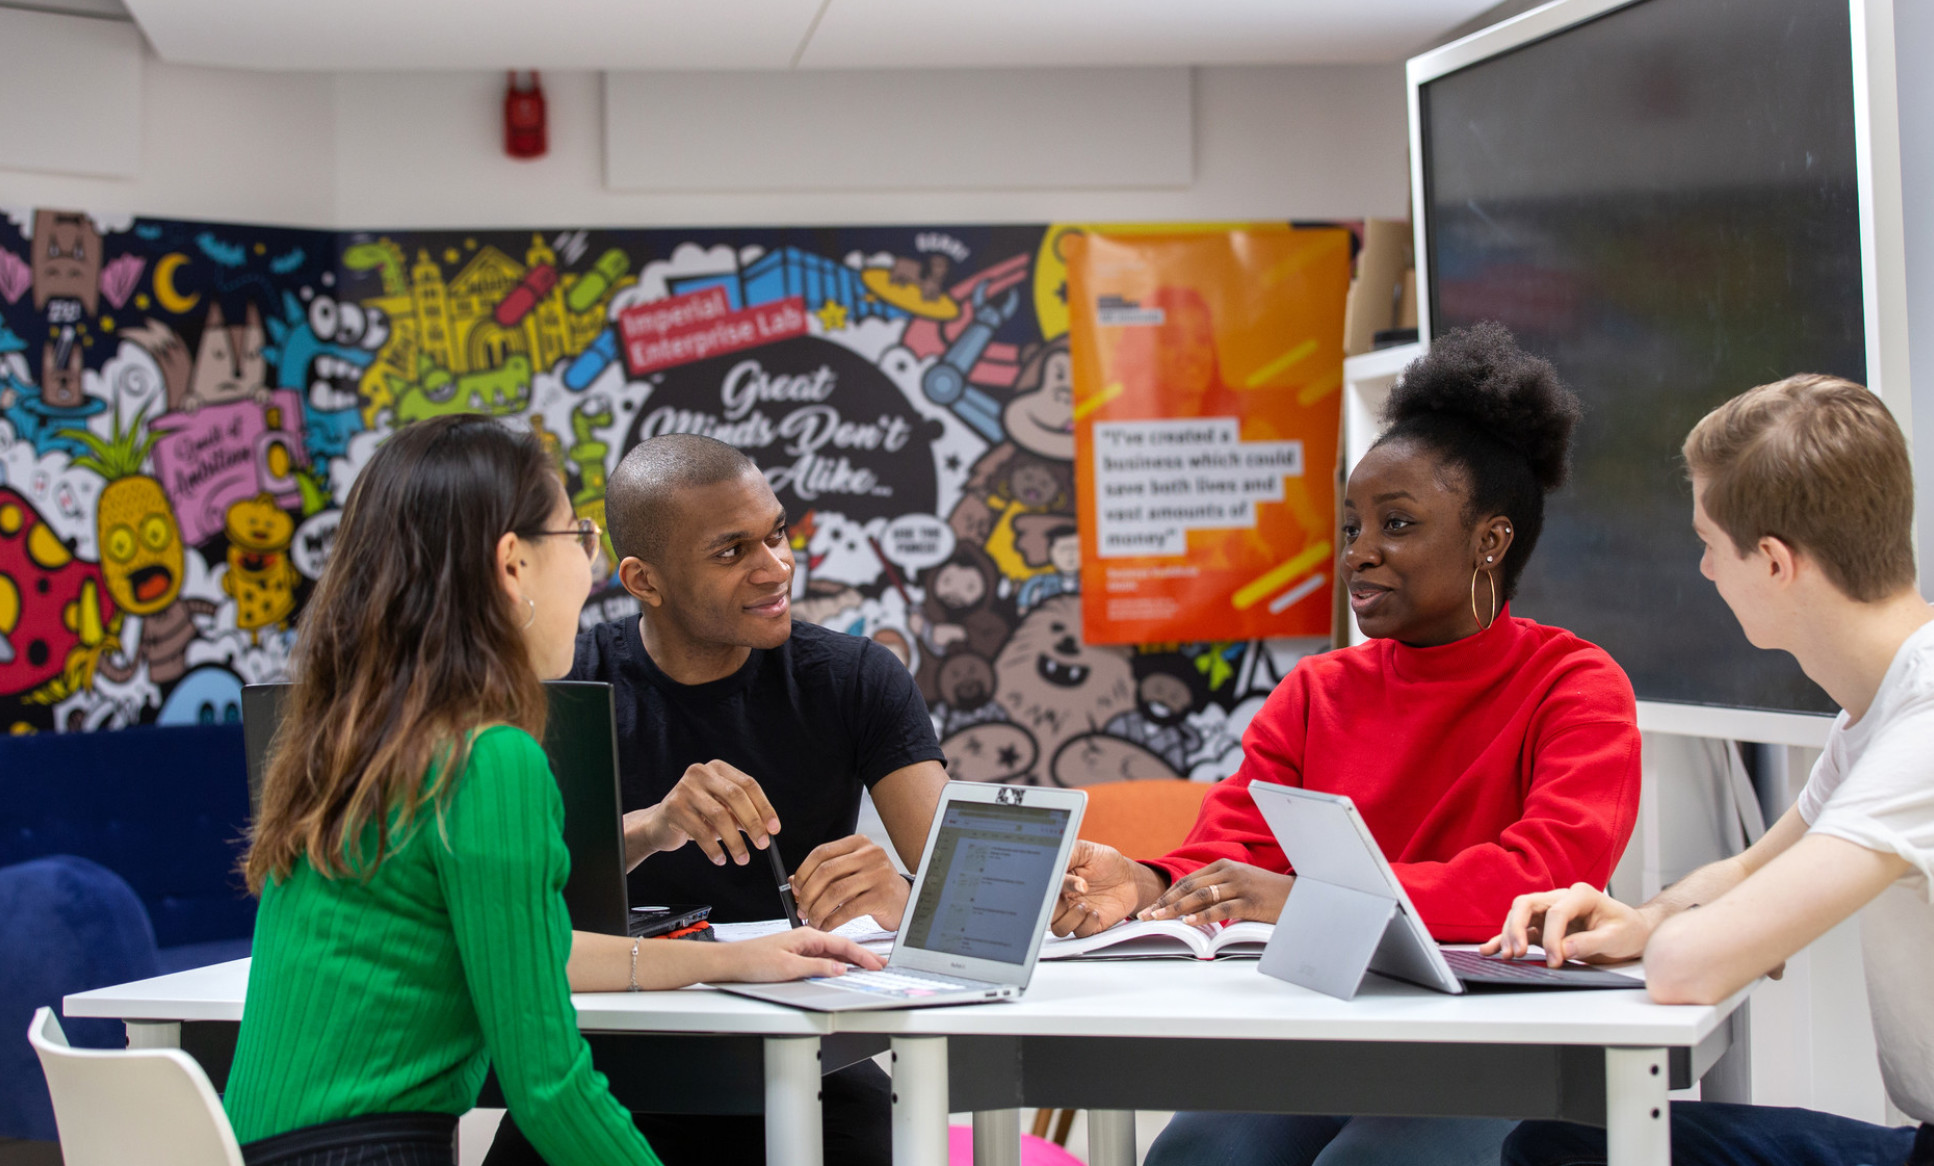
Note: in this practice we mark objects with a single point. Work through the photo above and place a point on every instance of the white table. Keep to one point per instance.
(1113, 1037)
(1116, 1037)
(154, 1011)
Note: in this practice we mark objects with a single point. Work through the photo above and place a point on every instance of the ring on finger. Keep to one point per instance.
(1215, 892)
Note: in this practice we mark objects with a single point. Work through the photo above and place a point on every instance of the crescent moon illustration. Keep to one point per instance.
(164, 285)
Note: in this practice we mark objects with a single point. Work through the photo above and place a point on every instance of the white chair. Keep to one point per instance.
(115, 1107)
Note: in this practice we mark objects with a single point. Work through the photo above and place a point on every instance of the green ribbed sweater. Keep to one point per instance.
(393, 993)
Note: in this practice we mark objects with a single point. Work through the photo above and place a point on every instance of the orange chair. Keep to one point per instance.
(1142, 819)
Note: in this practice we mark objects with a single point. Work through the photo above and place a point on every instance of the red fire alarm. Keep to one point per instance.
(525, 135)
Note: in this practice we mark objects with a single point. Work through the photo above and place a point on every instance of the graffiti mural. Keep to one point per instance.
(183, 407)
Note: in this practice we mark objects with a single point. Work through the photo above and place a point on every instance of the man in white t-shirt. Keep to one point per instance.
(1803, 496)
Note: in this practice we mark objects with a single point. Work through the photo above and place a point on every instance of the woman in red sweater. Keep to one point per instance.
(1490, 755)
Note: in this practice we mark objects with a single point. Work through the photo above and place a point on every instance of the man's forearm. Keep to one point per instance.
(1701, 886)
(638, 842)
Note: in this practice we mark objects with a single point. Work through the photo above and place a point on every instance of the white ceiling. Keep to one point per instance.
(354, 35)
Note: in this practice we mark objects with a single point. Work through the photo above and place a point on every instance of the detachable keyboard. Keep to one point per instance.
(1475, 969)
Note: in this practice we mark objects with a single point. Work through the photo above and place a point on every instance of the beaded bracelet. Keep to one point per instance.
(634, 965)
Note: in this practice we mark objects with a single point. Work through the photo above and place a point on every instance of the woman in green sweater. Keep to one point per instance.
(409, 851)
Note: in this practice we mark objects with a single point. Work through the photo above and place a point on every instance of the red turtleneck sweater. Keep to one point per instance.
(1504, 763)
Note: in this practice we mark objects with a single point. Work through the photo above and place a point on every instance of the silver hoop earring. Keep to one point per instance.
(532, 617)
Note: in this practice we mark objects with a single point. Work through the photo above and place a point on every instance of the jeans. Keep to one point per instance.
(1711, 1133)
(1272, 1139)
(856, 1124)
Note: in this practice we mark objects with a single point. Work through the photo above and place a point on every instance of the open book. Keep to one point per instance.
(1163, 939)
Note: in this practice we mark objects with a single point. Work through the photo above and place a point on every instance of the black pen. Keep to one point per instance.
(785, 884)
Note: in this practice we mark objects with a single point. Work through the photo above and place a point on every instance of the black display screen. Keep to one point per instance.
(1662, 201)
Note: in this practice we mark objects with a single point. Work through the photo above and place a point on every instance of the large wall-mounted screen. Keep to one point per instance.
(1663, 202)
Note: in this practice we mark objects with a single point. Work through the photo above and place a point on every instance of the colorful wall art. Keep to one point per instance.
(183, 407)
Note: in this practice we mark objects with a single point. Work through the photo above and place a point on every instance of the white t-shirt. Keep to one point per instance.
(1874, 787)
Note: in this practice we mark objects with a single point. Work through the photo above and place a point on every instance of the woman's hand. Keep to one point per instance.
(1224, 890)
(1102, 888)
(792, 955)
(1581, 923)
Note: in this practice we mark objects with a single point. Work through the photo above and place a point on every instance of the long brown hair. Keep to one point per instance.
(408, 645)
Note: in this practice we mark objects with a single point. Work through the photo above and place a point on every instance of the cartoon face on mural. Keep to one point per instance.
(260, 576)
(66, 260)
(1040, 418)
(205, 696)
(60, 375)
(842, 551)
(1054, 685)
(229, 364)
(966, 682)
(895, 385)
(141, 551)
(991, 751)
(323, 353)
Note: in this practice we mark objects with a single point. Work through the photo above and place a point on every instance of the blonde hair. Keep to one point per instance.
(1818, 463)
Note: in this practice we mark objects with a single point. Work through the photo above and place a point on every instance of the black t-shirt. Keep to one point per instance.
(811, 721)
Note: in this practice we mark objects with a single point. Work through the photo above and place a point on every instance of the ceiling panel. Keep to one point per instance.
(990, 33)
(359, 35)
(350, 35)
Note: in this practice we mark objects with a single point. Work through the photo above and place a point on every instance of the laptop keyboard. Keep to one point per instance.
(892, 983)
(1470, 966)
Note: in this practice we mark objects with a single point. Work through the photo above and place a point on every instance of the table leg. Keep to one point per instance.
(997, 1137)
(1638, 1128)
(1111, 1137)
(920, 1101)
(154, 1034)
(1731, 1077)
(792, 1101)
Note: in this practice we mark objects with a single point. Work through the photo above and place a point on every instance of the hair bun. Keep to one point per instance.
(1479, 374)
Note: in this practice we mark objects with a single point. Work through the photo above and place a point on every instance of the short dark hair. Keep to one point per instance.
(1500, 414)
(641, 493)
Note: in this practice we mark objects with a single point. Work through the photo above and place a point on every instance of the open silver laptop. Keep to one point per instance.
(1348, 913)
(978, 912)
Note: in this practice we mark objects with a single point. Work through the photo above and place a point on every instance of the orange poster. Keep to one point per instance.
(1208, 376)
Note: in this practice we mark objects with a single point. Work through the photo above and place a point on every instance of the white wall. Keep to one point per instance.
(423, 150)
(215, 144)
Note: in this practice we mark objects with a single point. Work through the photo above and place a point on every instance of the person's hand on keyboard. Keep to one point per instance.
(799, 954)
(1579, 923)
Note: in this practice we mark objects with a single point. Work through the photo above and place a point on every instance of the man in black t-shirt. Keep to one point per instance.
(735, 724)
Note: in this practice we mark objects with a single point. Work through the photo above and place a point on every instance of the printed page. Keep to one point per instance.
(1132, 939)
(1242, 940)
(865, 930)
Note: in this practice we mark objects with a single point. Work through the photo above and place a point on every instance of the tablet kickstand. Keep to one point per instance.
(1326, 937)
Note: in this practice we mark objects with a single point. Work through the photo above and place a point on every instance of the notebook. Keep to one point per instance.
(1155, 939)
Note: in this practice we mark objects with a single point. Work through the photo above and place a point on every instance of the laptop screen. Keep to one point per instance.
(986, 881)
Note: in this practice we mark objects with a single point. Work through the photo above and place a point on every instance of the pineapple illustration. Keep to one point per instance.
(260, 576)
(143, 559)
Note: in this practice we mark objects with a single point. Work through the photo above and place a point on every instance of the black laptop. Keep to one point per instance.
(582, 742)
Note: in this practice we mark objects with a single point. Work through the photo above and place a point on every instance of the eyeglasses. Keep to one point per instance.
(586, 532)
